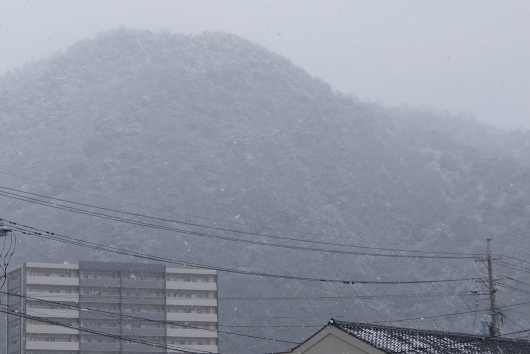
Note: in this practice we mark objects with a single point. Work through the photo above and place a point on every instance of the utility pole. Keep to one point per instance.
(494, 328)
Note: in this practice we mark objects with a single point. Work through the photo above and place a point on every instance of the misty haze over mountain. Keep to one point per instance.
(461, 56)
(215, 130)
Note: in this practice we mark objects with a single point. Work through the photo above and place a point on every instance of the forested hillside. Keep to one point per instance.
(217, 131)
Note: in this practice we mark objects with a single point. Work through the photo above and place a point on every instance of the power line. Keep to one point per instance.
(515, 259)
(100, 333)
(28, 199)
(88, 244)
(446, 255)
(515, 289)
(298, 298)
(515, 323)
(434, 316)
(122, 315)
(103, 312)
(165, 211)
(453, 314)
(518, 281)
(11, 246)
(517, 332)
(119, 337)
(514, 267)
(218, 220)
(362, 297)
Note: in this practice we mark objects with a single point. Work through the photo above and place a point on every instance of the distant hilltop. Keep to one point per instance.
(214, 130)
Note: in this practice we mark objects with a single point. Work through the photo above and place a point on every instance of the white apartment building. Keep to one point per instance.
(106, 307)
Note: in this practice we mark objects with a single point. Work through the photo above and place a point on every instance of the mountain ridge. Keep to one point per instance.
(214, 125)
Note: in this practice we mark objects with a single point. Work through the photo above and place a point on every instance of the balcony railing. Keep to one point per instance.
(198, 333)
(192, 317)
(183, 285)
(100, 347)
(191, 301)
(52, 329)
(42, 345)
(52, 280)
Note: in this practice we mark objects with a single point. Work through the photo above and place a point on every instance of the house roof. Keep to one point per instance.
(394, 340)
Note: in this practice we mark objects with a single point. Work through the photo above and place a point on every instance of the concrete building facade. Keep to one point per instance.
(104, 307)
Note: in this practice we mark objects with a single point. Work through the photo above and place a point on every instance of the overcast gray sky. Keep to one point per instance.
(460, 56)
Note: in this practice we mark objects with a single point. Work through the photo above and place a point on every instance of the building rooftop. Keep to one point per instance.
(394, 340)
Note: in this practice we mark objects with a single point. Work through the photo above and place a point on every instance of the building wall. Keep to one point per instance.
(332, 340)
(115, 304)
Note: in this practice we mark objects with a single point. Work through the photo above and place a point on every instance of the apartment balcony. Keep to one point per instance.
(193, 348)
(191, 301)
(72, 281)
(115, 331)
(50, 329)
(183, 285)
(143, 284)
(57, 297)
(197, 333)
(102, 299)
(30, 265)
(158, 316)
(192, 317)
(142, 348)
(191, 271)
(149, 332)
(100, 347)
(100, 283)
(144, 300)
(61, 313)
(38, 345)
(95, 315)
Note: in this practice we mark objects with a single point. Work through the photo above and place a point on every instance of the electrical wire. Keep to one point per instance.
(513, 258)
(6, 258)
(10, 194)
(122, 315)
(226, 238)
(518, 281)
(517, 332)
(100, 333)
(511, 266)
(121, 337)
(515, 323)
(83, 243)
(434, 316)
(296, 298)
(355, 297)
(514, 289)
(454, 314)
(212, 219)
(177, 213)
(166, 322)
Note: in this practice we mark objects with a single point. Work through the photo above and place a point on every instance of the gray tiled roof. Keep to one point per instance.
(394, 340)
